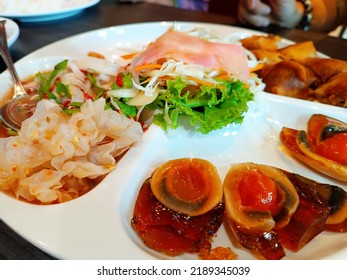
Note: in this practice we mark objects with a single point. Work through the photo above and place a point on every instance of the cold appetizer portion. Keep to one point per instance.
(183, 75)
(323, 146)
(71, 138)
(259, 199)
(190, 186)
(297, 71)
(269, 209)
(180, 208)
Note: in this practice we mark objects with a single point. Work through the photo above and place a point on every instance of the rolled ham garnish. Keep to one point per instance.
(192, 50)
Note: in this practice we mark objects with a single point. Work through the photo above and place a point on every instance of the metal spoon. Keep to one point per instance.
(19, 107)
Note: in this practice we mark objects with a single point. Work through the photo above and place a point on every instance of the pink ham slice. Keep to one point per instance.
(192, 50)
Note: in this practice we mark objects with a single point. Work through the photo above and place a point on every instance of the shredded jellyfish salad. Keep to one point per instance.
(72, 138)
(184, 75)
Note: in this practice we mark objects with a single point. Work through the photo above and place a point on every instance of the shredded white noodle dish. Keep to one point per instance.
(71, 139)
(88, 111)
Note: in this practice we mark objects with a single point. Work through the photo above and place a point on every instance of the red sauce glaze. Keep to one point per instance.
(169, 232)
(4, 132)
(309, 218)
(265, 244)
(342, 227)
(332, 196)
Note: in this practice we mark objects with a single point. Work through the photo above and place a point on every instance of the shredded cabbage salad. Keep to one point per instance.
(210, 98)
(175, 89)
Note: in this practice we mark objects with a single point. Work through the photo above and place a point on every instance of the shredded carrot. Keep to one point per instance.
(145, 66)
(221, 87)
(128, 56)
(146, 81)
(223, 77)
(256, 68)
(97, 55)
(164, 78)
(202, 82)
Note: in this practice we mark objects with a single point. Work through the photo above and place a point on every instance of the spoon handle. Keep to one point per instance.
(4, 52)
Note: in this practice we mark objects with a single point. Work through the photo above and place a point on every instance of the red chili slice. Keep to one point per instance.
(119, 80)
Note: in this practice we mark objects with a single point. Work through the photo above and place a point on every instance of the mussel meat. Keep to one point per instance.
(187, 185)
(323, 147)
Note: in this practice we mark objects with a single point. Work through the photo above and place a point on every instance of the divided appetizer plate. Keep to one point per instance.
(97, 225)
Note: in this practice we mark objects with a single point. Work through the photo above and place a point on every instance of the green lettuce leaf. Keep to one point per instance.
(209, 109)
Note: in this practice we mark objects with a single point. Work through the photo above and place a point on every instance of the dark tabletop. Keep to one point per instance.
(109, 13)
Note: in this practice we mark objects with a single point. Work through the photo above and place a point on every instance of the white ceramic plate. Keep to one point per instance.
(12, 31)
(71, 8)
(97, 225)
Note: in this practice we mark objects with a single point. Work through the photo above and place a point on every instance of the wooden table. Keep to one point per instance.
(110, 13)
